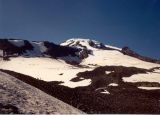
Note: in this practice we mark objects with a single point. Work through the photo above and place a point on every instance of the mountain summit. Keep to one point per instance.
(83, 43)
(72, 50)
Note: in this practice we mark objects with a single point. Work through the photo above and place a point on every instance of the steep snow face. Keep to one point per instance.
(83, 43)
(18, 43)
(46, 69)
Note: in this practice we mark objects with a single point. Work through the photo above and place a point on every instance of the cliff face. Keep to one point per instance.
(19, 97)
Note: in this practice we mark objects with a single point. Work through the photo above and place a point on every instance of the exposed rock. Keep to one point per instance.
(19, 97)
(83, 54)
(129, 52)
(59, 51)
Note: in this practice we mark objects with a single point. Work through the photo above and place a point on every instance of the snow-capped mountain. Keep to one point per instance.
(86, 68)
(93, 45)
(45, 59)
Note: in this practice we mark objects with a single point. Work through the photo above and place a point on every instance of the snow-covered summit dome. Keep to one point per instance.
(83, 43)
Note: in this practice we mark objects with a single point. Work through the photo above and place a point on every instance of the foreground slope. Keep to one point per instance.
(108, 93)
(19, 97)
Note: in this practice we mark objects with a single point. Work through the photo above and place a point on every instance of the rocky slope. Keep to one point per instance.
(19, 97)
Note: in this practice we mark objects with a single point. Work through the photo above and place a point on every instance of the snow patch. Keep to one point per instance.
(113, 84)
(149, 88)
(105, 92)
(82, 83)
(81, 78)
(149, 77)
(107, 72)
(102, 90)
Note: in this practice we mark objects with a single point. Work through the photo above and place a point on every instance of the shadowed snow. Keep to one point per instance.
(17, 43)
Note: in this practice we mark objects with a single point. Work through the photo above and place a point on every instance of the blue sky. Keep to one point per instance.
(133, 23)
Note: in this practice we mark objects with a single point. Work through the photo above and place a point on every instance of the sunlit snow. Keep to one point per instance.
(149, 77)
(149, 88)
(46, 69)
(113, 84)
(105, 92)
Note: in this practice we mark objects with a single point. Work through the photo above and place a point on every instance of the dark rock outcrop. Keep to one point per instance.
(83, 53)
(59, 51)
(9, 49)
(129, 52)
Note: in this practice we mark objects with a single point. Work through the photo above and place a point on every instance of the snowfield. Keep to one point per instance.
(149, 88)
(46, 69)
(116, 58)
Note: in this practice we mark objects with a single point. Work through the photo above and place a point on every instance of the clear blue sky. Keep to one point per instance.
(133, 23)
